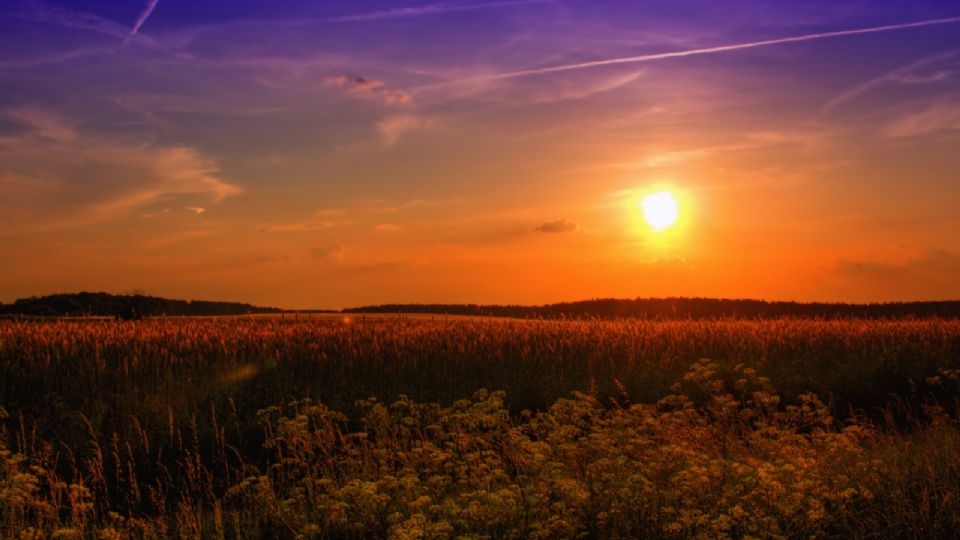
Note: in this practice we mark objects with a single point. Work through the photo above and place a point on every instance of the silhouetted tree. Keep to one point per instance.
(125, 306)
(682, 308)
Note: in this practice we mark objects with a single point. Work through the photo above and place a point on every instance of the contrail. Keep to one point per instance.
(36, 11)
(144, 15)
(433, 9)
(886, 78)
(717, 49)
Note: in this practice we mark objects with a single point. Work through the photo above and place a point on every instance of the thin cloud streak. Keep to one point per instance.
(144, 15)
(433, 9)
(717, 49)
(49, 59)
(886, 78)
(39, 12)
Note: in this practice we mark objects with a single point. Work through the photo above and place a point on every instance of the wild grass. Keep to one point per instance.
(266, 429)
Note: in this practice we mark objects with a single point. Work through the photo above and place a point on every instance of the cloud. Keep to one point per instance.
(805, 138)
(307, 226)
(40, 12)
(364, 213)
(936, 270)
(392, 128)
(677, 157)
(53, 175)
(599, 87)
(925, 78)
(355, 270)
(932, 275)
(334, 253)
(385, 207)
(195, 209)
(272, 258)
(433, 9)
(154, 215)
(718, 49)
(318, 221)
(939, 116)
(564, 89)
(910, 74)
(44, 60)
(363, 86)
(177, 237)
(43, 124)
(482, 233)
(799, 137)
(558, 226)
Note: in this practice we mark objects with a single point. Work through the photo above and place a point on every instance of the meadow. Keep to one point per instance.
(400, 427)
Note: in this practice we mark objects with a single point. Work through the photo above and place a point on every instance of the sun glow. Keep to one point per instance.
(660, 210)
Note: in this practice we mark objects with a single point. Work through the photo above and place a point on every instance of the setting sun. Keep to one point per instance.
(660, 210)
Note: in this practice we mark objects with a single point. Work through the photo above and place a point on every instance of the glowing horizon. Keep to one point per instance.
(311, 155)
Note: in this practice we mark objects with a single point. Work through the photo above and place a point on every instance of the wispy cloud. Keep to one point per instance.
(177, 237)
(44, 13)
(49, 59)
(368, 213)
(272, 258)
(433, 9)
(570, 89)
(393, 127)
(718, 49)
(909, 74)
(319, 220)
(807, 139)
(306, 226)
(558, 226)
(59, 176)
(42, 123)
(939, 116)
(334, 253)
(385, 207)
(370, 87)
(935, 263)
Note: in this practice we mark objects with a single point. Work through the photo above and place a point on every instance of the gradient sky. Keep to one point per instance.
(328, 154)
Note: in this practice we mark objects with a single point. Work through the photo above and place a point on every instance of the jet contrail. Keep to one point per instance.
(144, 15)
(717, 49)
(433, 9)
(884, 79)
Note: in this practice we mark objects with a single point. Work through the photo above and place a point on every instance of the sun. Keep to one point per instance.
(660, 210)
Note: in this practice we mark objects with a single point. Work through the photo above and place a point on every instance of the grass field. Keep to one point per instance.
(369, 427)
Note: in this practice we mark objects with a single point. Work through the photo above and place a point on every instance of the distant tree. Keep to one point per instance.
(682, 308)
(128, 307)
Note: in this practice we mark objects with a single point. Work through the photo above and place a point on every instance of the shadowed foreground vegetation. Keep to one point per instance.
(266, 429)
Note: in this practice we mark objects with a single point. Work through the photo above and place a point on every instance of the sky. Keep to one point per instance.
(308, 154)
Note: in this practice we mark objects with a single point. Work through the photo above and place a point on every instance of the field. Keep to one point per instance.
(386, 427)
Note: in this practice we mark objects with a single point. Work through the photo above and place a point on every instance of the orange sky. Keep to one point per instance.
(262, 161)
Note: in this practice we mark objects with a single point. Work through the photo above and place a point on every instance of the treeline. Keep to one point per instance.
(683, 308)
(87, 304)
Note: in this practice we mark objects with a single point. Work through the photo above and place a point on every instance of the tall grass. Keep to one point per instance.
(229, 428)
